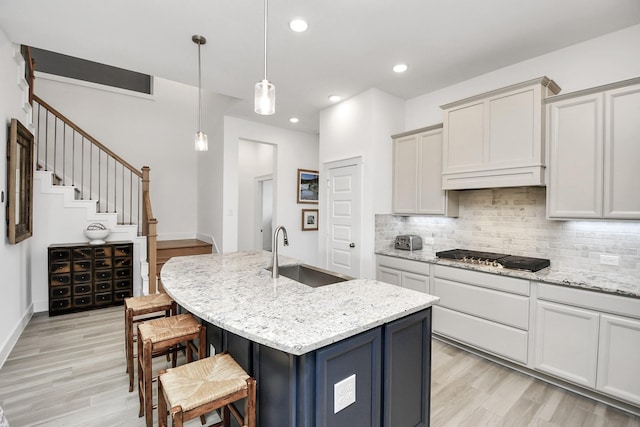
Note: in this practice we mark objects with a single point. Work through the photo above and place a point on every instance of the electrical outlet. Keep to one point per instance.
(344, 393)
(609, 259)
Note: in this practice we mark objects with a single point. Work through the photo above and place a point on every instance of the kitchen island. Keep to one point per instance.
(369, 338)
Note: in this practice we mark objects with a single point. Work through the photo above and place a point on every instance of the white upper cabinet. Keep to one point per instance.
(496, 139)
(594, 153)
(417, 171)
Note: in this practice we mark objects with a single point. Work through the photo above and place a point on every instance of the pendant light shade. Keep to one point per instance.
(201, 141)
(265, 92)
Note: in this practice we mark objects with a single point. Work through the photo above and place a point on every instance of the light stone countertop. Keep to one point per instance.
(628, 286)
(234, 292)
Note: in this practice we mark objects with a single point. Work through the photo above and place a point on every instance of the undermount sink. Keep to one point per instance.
(311, 276)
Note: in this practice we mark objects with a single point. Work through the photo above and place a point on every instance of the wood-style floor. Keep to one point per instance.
(70, 371)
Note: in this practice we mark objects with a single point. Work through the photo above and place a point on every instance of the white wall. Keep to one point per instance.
(254, 160)
(155, 131)
(15, 260)
(361, 127)
(607, 59)
(293, 151)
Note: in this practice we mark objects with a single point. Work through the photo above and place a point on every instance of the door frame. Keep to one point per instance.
(259, 198)
(323, 240)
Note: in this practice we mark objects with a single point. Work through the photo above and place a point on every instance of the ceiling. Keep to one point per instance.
(350, 46)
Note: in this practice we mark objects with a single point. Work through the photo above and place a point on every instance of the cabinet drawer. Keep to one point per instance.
(103, 287)
(102, 263)
(82, 253)
(60, 279)
(82, 301)
(59, 292)
(122, 262)
(102, 252)
(121, 295)
(60, 267)
(82, 277)
(81, 266)
(487, 280)
(502, 307)
(404, 264)
(103, 274)
(122, 285)
(59, 304)
(83, 288)
(123, 250)
(104, 298)
(57, 255)
(496, 338)
(123, 272)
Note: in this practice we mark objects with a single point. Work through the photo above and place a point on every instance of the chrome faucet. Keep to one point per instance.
(274, 245)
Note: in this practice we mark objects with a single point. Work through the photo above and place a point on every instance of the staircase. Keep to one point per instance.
(167, 249)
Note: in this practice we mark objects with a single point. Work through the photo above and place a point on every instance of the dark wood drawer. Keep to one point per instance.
(121, 295)
(82, 289)
(123, 251)
(60, 279)
(123, 272)
(123, 262)
(102, 263)
(60, 267)
(82, 300)
(60, 303)
(82, 277)
(103, 287)
(103, 252)
(82, 253)
(81, 266)
(105, 298)
(59, 292)
(103, 274)
(122, 284)
(57, 255)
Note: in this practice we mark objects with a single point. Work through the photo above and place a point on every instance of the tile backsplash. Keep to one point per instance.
(513, 221)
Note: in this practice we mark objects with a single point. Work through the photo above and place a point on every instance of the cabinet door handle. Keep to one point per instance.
(352, 245)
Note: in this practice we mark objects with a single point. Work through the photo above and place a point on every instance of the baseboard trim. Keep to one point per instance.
(11, 341)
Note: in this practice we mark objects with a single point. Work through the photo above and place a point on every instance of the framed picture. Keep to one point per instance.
(309, 219)
(308, 186)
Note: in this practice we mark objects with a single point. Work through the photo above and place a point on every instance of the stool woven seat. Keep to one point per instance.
(196, 388)
(156, 336)
(143, 306)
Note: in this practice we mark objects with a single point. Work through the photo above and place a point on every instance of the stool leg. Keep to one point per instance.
(250, 408)
(202, 343)
(162, 403)
(140, 377)
(129, 344)
(148, 392)
(226, 416)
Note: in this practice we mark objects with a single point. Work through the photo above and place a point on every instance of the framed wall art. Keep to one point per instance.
(308, 186)
(309, 219)
(19, 183)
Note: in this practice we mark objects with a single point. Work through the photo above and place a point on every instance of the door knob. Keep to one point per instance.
(352, 245)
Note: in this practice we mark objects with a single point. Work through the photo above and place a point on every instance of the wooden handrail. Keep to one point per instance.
(86, 135)
(31, 65)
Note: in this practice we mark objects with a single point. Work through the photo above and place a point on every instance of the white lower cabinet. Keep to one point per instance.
(403, 272)
(567, 342)
(589, 338)
(619, 358)
(482, 310)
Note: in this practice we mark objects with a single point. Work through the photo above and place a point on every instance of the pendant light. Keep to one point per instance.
(201, 141)
(265, 92)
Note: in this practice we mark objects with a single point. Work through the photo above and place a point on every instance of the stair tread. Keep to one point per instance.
(182, 243)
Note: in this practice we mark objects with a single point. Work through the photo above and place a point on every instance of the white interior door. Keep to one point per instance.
(344, 219)
(264, 212)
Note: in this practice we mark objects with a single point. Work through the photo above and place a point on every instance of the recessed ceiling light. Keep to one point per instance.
(298, 25)
(400, 68)
(294, 120)
(335, 98)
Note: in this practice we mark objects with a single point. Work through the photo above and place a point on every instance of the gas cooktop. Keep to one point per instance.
(495, 260)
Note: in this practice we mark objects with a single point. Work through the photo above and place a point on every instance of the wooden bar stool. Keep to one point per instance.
(156, 336)
(142, 306)
(197, 388)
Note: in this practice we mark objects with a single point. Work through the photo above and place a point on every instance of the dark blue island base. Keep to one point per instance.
(391, 363)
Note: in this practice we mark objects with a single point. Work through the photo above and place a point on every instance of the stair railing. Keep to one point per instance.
(77, 159)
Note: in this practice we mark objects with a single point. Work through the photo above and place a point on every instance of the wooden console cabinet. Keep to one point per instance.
(86, 277)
